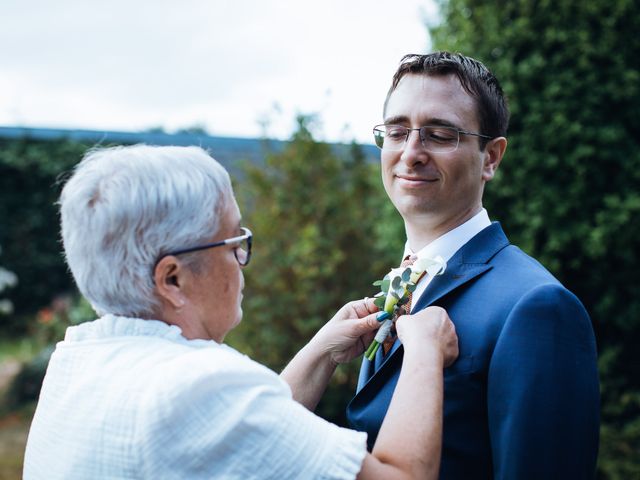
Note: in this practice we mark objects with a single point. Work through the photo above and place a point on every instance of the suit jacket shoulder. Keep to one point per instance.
(527, 353)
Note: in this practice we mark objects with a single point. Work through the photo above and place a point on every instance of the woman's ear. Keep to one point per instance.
(169, 277)
(493, 154)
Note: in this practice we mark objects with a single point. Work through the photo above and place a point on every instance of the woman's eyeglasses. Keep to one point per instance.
(242, 249)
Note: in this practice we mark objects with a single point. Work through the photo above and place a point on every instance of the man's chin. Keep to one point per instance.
(415, 206)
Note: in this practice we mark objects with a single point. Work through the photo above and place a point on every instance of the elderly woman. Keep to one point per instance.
(154, 240)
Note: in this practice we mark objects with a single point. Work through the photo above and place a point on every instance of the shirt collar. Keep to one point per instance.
(110, 326)
(449, 243)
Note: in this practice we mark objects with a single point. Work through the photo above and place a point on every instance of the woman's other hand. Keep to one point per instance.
(350, 331)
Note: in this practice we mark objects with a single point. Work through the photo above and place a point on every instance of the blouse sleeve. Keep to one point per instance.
(239, 422)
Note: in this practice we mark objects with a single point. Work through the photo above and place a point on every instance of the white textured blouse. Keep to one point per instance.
(125, 398)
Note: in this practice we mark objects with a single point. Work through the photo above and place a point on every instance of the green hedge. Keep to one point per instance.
(29, 187)
(567, 190)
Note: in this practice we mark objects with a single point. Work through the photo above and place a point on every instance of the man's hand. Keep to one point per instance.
(349, 332)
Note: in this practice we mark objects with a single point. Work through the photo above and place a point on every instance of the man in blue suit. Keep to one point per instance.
(522, 400)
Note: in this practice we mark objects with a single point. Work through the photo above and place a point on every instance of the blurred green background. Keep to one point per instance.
(567, 193)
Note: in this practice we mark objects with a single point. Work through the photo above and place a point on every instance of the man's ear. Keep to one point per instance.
(169, 277)
(493, 154)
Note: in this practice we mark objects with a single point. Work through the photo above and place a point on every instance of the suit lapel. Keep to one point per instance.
(468, 263)
(456, 275)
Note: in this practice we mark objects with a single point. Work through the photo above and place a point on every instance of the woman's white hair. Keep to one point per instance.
(123, 207)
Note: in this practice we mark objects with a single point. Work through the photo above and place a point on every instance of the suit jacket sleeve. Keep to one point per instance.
(542, 393)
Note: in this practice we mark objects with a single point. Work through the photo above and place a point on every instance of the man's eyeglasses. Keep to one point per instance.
(434, 138)
(242, 248)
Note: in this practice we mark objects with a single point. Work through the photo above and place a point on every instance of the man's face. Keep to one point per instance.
(446, 187)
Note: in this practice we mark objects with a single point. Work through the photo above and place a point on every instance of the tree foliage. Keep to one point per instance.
(323, 229)
(314, 213)
(568, 189)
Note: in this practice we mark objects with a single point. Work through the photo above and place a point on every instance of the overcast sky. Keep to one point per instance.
(227, 65)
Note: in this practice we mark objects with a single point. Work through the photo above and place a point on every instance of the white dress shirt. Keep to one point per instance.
(447, 245)
(125, 398)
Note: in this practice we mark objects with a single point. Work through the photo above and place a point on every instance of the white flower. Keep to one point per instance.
(433, 266)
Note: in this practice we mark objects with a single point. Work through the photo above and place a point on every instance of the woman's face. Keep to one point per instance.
(217, 293)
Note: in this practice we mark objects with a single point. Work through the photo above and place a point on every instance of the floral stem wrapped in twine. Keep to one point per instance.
(395, 288)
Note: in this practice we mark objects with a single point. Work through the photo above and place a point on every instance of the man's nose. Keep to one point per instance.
(414, 151)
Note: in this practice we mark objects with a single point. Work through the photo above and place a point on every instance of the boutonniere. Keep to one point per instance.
(395, 288)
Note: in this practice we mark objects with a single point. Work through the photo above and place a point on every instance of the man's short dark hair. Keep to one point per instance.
(476, 79)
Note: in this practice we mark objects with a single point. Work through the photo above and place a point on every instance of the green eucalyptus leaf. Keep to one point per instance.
(406, 275)
(395, 283)
(379, 302)
(385, 285)
(411, 287)
(377, 283)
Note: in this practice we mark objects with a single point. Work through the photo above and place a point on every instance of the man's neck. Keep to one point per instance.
(423, 230)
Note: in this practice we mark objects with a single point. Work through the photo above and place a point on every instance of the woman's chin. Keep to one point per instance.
(238, 319)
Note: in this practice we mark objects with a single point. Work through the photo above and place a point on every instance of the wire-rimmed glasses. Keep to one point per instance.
(434, 138)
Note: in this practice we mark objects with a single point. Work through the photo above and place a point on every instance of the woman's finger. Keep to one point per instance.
(366, 324)
(364, 307)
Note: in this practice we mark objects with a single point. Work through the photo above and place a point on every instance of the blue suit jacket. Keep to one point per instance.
(522, 400)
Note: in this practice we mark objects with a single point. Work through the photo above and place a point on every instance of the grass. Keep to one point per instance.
(14, 426)
(14, 429)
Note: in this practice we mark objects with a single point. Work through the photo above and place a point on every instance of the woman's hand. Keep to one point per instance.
(430, 328)
(341, 339)
(349, 332)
